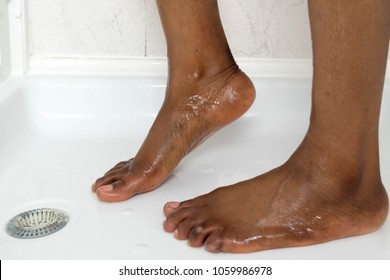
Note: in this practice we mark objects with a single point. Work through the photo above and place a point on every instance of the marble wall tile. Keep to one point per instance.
(267, 29)
(155, 40)
(295, 38)
(93, 28)
(125, 28)
(255, 29)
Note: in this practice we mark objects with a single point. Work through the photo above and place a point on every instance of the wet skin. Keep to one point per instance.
(314, 197)
(331, 186)
(328, 189)
(194, 108)
(205, 91)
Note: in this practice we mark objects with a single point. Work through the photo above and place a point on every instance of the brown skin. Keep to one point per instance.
(328, 189)
(331, 186)
(205, 91)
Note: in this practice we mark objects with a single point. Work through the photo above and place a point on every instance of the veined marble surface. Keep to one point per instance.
(131, 28)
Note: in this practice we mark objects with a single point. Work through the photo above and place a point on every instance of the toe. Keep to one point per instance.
(112, 175)
(214, 242)
(121, 165)
(184, 228)
(117, 191)
(175, 218)
(170, 207)
(199, 233)
(108, 179)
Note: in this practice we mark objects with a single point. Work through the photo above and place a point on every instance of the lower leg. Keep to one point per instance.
(331, 186)
(205, 91)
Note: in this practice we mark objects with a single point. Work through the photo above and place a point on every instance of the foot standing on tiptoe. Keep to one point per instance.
(205, 91)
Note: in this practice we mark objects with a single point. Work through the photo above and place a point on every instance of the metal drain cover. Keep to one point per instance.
(37, 223)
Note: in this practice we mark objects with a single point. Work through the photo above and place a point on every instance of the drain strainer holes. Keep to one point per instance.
(37, 223)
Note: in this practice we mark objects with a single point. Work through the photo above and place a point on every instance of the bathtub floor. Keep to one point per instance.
(58, 134)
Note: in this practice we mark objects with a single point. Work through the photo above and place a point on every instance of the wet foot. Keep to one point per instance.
(316, 196)
(197, 103)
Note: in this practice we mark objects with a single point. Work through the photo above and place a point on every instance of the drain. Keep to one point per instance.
(37, 223)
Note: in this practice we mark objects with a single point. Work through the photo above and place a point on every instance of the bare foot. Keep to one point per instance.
(197, 103)
(316, 196)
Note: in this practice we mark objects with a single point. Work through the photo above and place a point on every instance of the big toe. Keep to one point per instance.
(117, 191)
(170, 207)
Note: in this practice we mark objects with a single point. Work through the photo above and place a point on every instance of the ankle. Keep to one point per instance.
(201, 79)
(354, 162)
(196, 66)
(350, 143)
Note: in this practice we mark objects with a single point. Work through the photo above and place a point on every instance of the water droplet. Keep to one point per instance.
(140, 248)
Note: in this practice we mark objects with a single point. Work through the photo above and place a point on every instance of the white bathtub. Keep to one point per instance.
(58, 134)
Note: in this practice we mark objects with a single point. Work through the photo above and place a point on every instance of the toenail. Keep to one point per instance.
(106, 188)
(176, 233)
(173, 205)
